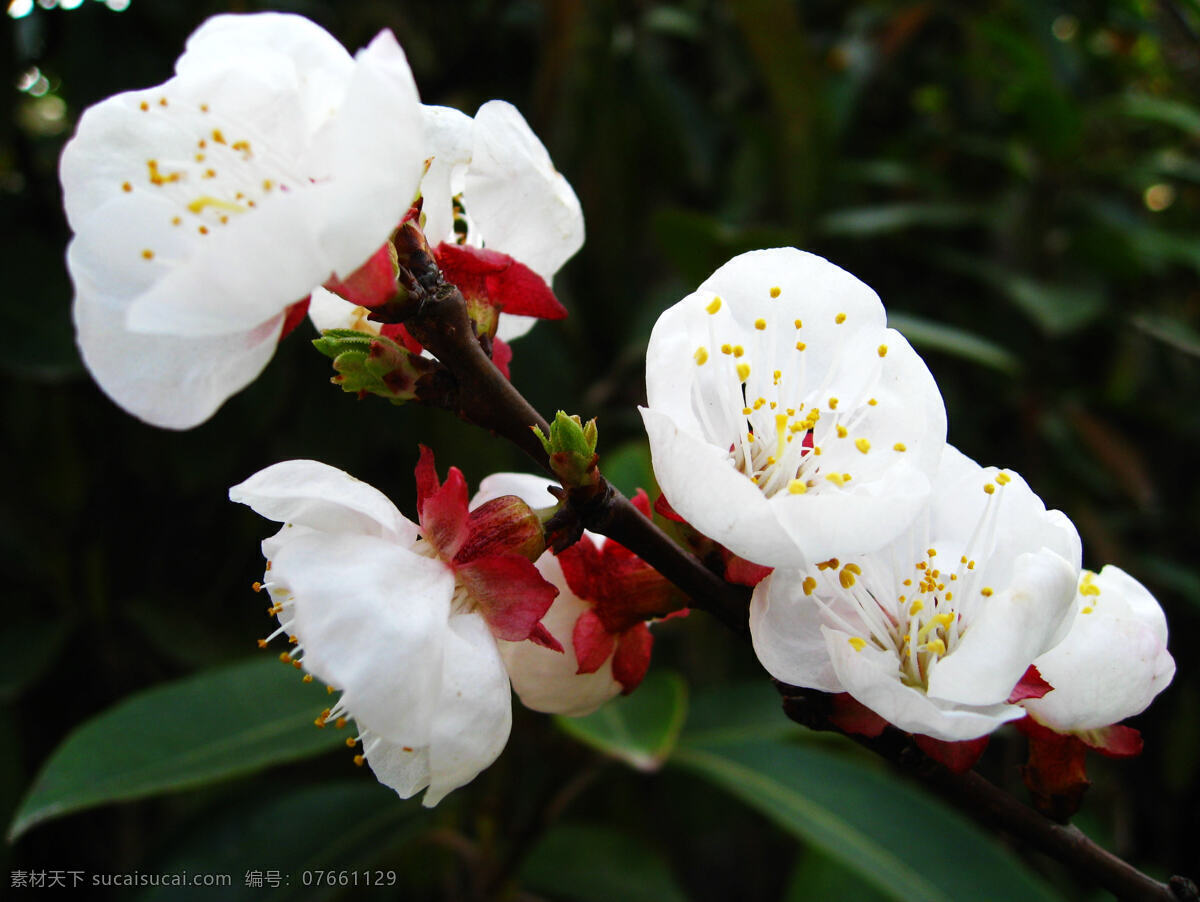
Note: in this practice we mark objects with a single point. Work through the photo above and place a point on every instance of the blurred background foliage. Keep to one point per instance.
(1018, 179)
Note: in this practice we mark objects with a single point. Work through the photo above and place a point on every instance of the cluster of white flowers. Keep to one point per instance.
(272, 164)
(786, 422)
(789, 424)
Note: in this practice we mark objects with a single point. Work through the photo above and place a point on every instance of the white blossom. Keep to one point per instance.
(786, 421)
(378, 614)
(1112, 663)
(203, 208)
(933, 631)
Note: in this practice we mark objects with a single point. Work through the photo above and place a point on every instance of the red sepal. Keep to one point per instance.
(508, 285)
(502, 357)
(397, 333)
(959, 757)
(1056, 772)
(743, 572)
(1031, 685)
(372, 284)
(441, 509)
(632, 658)
(512, 596)
(663, 507)
(592, 641)
(852, 716)
(1113, 741)
(293, 316)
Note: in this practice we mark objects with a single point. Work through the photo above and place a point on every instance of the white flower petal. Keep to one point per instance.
(474, 712)
(520, 203)
(1113, 662)
(1008, 632)
(405, 768)
(141, 373)
(870, 676)
(316, 495)
(547, 680)
(378, 156)
(785, 626)
(371, 619)
(449, 135)
(530, 489)
(470, 728)
(716, 499)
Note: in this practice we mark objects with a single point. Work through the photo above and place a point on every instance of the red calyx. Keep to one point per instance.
(1031, 685)
(488, 550)
(624, 592)
(372, 284)
(504, 283)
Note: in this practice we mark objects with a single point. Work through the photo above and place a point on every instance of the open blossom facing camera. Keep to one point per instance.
(206, 207)
(786, 421)
(934, 631)
(404, 618)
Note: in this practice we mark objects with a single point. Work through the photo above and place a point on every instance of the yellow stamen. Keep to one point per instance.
(714, 305)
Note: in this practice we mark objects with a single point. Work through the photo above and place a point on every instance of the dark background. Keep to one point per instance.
(1018, 180)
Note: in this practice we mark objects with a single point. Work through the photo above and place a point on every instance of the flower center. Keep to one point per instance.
(775, 418)
(918, 612)
(229, 170)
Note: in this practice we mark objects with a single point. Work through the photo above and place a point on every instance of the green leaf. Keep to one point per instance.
(344, 827)
(1056, 309)
(640, 729)
(1170, 331)
(738, 712)
(906, 844)
(211, 726)
(598, 864)
(859, 222)
(1159, 109)
(930, 335)
(817, 876)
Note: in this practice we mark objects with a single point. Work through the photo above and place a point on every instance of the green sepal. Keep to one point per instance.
(372, 364)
